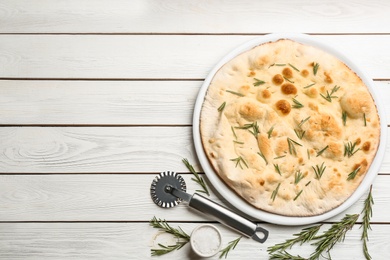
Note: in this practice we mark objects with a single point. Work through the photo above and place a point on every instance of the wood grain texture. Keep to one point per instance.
(94, 149)
(153, 56)
(97, 102)
(110, 102)
(116, 197)
(101, 150)
(140, 16)
(135, 240)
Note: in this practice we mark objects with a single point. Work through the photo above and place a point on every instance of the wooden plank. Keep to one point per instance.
(111, 197)
(152, 56)
(109, 102)
(139, 16)
(97, 102)
(101, 150)
(135, 240)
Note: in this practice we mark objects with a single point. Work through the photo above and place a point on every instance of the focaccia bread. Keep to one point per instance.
(290, 128)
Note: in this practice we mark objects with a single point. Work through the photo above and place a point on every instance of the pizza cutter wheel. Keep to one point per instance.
(168, 189)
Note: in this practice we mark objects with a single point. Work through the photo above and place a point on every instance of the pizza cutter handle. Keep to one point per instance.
(227, 217)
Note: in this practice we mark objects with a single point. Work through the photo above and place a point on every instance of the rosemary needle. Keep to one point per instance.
(197, 178)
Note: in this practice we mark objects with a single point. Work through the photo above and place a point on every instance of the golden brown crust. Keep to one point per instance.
(304, 129)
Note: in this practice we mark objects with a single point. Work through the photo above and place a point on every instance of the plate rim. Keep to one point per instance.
(234, 199)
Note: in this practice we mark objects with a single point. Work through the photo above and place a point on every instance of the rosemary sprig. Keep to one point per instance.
(364, 118)
(315, 67)
(277, 169)
(198, 179)
(284, 255)
(238, 161)
(298, 176)
(299, 193)
(270, 131)
(303, 121)
(310, 85)
(329, 96)
(231, 246)
(183, 237)
(258, 82)
(289, 80)
(367, 214)
(222, 107)
(262, 156)
(275, 192)
(319, 170)
(352, 174)
(276, 64)
(300, 133)
(336, 233)
(349, 149)
(304, 236)
(255, 128)
(234, 132)
(292, 66)
(167, 249)
(234, 92)
(322, 150)
(344, 117)
(297, 104)
(291, 146)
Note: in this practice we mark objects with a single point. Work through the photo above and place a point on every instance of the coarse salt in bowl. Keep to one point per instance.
(206, 240)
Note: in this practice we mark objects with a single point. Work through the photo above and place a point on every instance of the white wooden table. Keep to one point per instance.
(96, 98)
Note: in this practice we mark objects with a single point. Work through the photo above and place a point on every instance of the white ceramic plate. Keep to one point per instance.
(237, 201)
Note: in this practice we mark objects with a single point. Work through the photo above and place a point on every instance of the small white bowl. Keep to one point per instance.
(206, 240)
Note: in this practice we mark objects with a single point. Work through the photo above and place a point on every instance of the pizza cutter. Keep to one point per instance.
(168, 189)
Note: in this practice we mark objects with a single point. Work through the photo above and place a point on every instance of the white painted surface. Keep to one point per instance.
(96, 97)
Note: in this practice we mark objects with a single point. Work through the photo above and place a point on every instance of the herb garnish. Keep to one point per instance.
(277, 64)
(278, 157)
(289, 80)
(308, 86)
(270, 131)
(315, 67)
(237, 142)
(275, 192)
(262, 156)
(297, 104)
(367, 214)
(329, 96)
(234, 132)
(197, 178)
(307, 183)
(258, 82)
(344, 117)
(352, 174)
(305, 235)
(298, 176)
(323, 150)
(231, 246)
(300, 133)
(255, 128)
(299, 193)
(292, 66)
(277, 169)
(335, 234)
(308, 154)
(235, 93)
(183, 237)
(349, 149)
(221, 107)
(238, 161)
(319, 170)
(303, 121)
(364, 118)
(291, 146)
